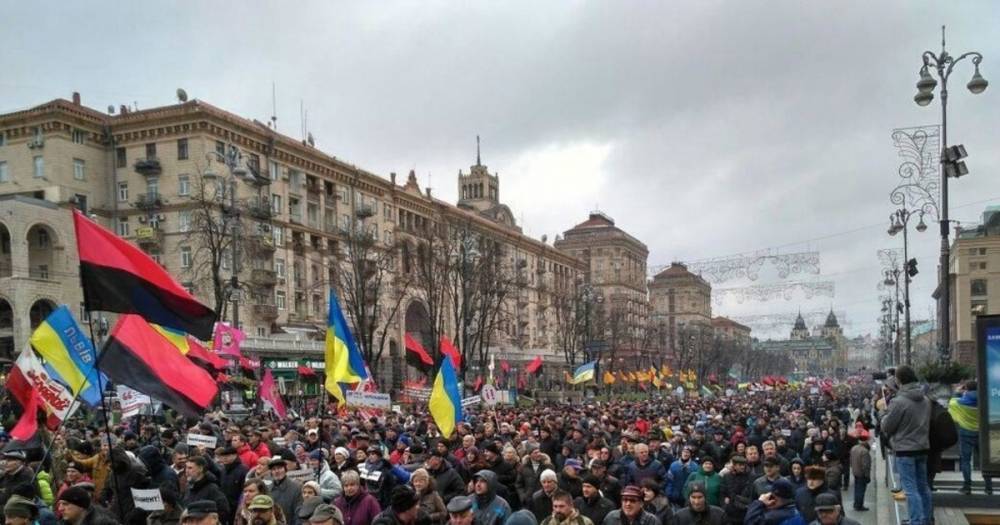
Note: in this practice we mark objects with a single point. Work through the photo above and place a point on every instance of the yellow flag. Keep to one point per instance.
(609, 378)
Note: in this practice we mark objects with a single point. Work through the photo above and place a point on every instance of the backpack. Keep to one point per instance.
(942, 431)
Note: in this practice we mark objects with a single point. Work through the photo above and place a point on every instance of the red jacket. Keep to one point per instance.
(248, 457)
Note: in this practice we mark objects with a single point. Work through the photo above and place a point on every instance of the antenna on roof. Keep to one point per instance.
(182, 95)
(274, 107)
(479, 161)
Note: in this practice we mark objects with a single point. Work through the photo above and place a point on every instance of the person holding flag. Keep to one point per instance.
(445, 402)
(344, 363)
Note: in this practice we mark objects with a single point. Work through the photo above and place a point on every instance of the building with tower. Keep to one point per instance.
(821, 352)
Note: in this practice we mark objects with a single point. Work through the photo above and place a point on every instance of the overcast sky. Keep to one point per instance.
(703, 128)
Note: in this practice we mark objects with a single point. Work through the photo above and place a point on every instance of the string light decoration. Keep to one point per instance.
(770, 292)
(919, 150)
(748, 266)
(781, 324)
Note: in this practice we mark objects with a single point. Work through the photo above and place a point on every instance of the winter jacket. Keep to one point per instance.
(432, 504)
(861, 460)
(528, 478)
(164, 517)
(207, 488)
(118, 490)
(358, 510)
(449, 484)
(635, 473)
(287, 494)
(231, 484)
(616, 518)
(159, 471)
(712, 515)
(805, 500)
(758, 514)
(8, 481)
(760, 486)
(711, 482)
(676, 478)
(596, 508)
(735, 488)
(329, 483)
(44, 482)
(97, 515)
(388, 517)
(574, 519)
(907, 421)
(248, 457)
(488, 508)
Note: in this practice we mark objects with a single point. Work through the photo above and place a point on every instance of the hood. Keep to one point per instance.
(911, 391)
(120, 461)
(491, 482)
(969, 398)
(151, 458)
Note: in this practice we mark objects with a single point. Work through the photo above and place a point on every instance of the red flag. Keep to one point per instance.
(521, 382)
(478, 384)
(306, 371)
(221, 378)
(27, 426)
(448, 349)
(416, 356)
(505, 366)
(534, 366)
(270, 395)
(203, 357)
(227, 339)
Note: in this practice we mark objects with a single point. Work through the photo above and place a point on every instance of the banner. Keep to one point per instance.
(988, 392)
(302, 475)
(131, 401)
(147, 499)
(378, 400)
(198, 440)
(57, 399)
(474, 400)
(227, 340)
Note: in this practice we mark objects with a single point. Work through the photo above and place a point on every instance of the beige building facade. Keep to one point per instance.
(681, 302)
(141, 173)
(975, 281)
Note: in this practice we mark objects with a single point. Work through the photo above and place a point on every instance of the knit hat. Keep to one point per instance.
(76, 496)
(20, 507)
(492, 447)
(783, 489)
(697, 487)
(592, 480)
(403, 498)
(316, 454)
(342, 451)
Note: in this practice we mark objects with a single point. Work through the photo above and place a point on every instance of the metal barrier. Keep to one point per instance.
(891, 483)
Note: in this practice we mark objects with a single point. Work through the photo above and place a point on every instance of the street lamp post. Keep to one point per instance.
(899, 221)
(943, 64)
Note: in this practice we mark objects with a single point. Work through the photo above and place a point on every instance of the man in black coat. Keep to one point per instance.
(592, 504)
(202, 485)
(735, 489)
(234, 474)
(14, 473)
(448, 482)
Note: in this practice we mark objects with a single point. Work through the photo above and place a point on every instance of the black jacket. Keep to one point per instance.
(449, 484)
(23, 476)
(736, 488)
(711, 516)
(207, 488)
(595, 508)
(233, 477)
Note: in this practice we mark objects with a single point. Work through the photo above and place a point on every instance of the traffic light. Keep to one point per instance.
(953, 165)
(911, 268)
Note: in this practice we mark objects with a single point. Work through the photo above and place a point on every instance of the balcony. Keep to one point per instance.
(148, 167)
(262, 244)
(263, 277)
(149, 201)
(363, 211)
(267, 312)
(295, 216)
(149, 238)
(260, 210)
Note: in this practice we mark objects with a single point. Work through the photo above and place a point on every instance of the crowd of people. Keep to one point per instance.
(780, 456)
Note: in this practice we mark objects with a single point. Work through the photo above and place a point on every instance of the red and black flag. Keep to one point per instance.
(118, 277)
(535, 366)
(417, 356)
(138, 356)
(204, 358)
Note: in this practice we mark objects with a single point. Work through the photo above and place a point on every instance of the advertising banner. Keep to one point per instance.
(988, 350)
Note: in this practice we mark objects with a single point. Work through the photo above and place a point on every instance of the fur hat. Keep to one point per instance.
(815, 472)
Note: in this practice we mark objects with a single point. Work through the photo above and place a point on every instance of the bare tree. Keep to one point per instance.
(570, 322)
(369, 282)
(427, 257)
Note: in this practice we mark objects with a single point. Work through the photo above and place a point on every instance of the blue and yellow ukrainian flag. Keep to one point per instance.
(445, 402)
(176, 337)
(68, 353)
(584, 372)
(344, 363)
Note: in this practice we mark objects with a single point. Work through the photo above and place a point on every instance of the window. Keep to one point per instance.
(279, 299)
(43, 238)
(185, 257)
(387, 212)
(227, 260)
(3, 139)
(81, 203)
(39, 167)
(982, 266)
(123, 226)
(978, 287)
(261, 331)
(275, 203)
(273, 170)
(182, 149)
(982, 251)
(121, 160)
(151, 150)
(184, 185)
(317, 305)
(152, 187)
(79, 136)
(184, 221)
(43, 271)
(220, 148)
(4, 175)
(279, 235)
(79, 172)
(122, 192)
(279, 268)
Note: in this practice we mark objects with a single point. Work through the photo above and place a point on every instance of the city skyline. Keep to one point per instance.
(741, 158)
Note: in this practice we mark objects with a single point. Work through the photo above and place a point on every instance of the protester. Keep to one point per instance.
(430, 501)
(964, 409)
(907, 424)
(861, 468)
(631, 512)
(829, 512)
(775, 508)
(698, 511)
(356, 505)
(563, 512)
(592, 503)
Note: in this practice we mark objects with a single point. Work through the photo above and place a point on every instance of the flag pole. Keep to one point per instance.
(104, 406)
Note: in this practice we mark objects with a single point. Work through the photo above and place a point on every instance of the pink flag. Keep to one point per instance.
(270, 395)
(227, 339)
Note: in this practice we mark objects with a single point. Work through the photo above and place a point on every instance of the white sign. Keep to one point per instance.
(147, 499)
(280, 441)
(397, 409)
(490, 395)
(474, 400)
(198, 440)
(814, 390)
(418, 393)
(786, 432)
(132, 401)
(302, 475)
(368, 399)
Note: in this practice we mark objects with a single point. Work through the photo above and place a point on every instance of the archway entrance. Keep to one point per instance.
(6, 265)
(6, 330)
(417, 324)
(39, 311)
